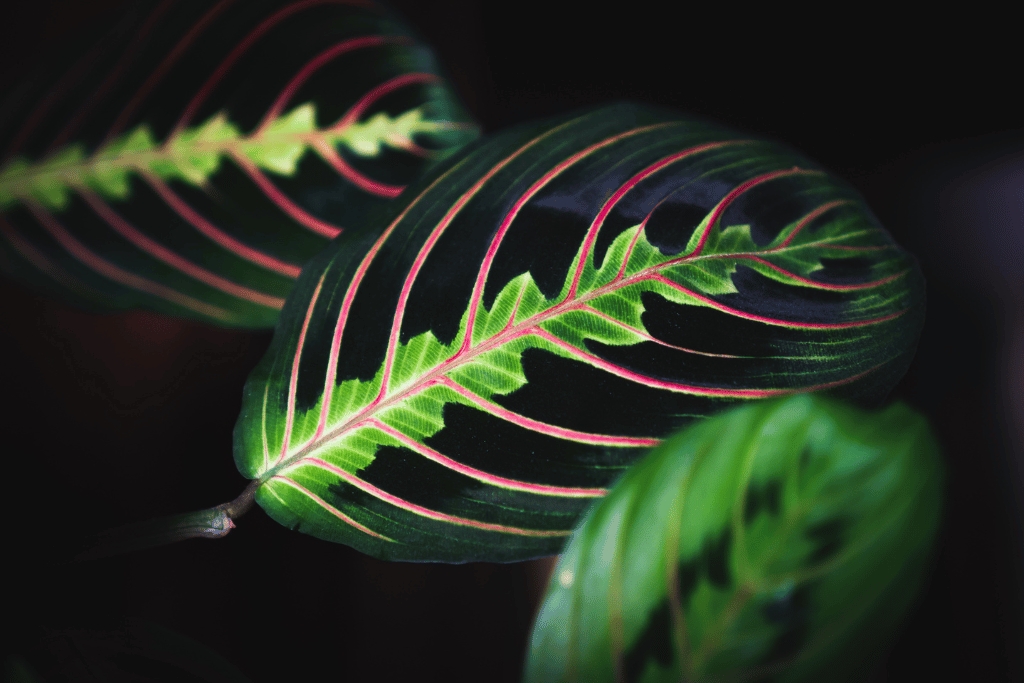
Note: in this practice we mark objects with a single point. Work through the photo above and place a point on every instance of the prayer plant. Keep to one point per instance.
(623, 334)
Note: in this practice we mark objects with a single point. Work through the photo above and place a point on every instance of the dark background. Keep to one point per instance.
(111, 418)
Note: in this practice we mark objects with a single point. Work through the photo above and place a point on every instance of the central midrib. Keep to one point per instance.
(458, 360)
(175, 152)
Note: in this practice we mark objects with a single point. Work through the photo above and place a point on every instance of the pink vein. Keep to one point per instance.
(350, 294)
(329, 154)
(717, 212)
(83, 254)
(28, 251)
(819, 285)
(294, 380)
(432, 239)
(773, 321)
(486, 477)
(162, 253)
(544, 428)
(225, 240)
(304, 218)
(683, 388)
(827, 206)
(357, 109)
(595, 226)
(363, 182)
(492, 250)
(312, 66)
(240, 49)
(648, 337)
(632, 244)
(425, 512)
(161, 70)
(263, 427)
(330, 508)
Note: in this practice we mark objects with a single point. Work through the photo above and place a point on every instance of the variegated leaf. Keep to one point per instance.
(546, 306)
(196, 157)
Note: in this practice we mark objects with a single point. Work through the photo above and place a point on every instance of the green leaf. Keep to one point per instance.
(195, 158)
(543, 308)
(782, 540)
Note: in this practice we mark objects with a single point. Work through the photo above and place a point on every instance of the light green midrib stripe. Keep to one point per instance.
(20, 180)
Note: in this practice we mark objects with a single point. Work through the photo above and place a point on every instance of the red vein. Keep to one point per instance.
(330, 508)
(162, 253)
(492, 250)
(315, 64)
(83, 254)
(720, 208)
(425, 512)
(543, 427)
(632, 244)
(771, 321)
(263, 427)
(37, 258)
(294, 379)
(350, 293)
(620, 371)
(480, 475)
(222, 69)
(363, 182)
(282, 200)
(161, 70)
(644, 335)
(357, 109)
(815, 283)
(595, 226)
(432, 239)
(827, 206)
(225, 240)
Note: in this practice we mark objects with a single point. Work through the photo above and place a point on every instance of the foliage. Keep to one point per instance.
(475, 340)
(786, 538)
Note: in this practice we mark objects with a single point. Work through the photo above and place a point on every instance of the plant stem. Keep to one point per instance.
(213, 522)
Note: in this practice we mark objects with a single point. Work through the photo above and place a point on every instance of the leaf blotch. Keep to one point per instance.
(654, 643)
(765, 497)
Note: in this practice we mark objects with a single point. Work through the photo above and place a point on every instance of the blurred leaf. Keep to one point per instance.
(783, 541)
(193, 159)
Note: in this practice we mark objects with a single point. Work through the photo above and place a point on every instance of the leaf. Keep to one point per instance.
(782, 540)
(545, 307)
(192, 160)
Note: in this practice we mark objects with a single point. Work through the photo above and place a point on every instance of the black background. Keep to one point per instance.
(110, 418)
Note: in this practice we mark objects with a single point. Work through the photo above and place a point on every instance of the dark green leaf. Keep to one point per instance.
(782, 540)
(545, 307)
(196, 157)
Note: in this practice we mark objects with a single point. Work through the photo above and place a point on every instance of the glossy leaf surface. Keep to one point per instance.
(779, 541)
(196, 157)
(545, 307)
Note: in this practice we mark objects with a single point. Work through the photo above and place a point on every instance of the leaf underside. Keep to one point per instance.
(544, 307)
(780, 541)
(193, 159)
